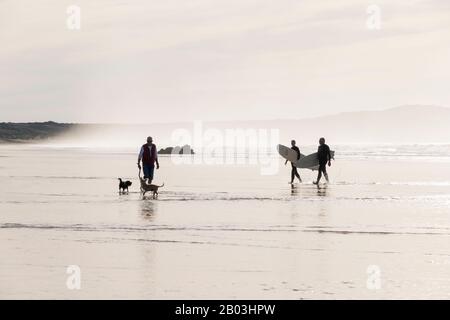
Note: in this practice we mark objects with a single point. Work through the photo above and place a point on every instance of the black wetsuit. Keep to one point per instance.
(324, 155)
(294, 172)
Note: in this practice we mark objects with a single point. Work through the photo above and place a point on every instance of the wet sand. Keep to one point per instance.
(222, 232)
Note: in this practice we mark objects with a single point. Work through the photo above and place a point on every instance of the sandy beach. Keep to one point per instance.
(379, 230)
(222, 93)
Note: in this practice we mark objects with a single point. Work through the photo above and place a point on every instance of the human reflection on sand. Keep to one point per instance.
(306, 190)
(322, 190)
(294, 190)
(148, 209)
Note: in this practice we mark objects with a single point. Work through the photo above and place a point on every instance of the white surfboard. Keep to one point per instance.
(310, 161)
(288, 154)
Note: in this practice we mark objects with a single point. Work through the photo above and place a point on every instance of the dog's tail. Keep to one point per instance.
(161, 185)
(119, 179)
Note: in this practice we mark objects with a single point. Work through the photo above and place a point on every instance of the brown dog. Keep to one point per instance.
(149, 188)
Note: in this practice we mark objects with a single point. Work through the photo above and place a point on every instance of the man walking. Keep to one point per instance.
(294, 172)
(148, 155)
(324, 156)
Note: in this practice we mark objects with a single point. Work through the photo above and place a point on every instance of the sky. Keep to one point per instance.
(146, 61)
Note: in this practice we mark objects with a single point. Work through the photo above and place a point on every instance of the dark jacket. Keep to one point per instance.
(323, 153)
(149, 155)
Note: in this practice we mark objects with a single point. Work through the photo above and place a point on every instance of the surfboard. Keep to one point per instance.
(288, 154)
(310, 161)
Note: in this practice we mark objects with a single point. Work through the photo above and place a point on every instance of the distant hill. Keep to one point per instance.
(406, 124)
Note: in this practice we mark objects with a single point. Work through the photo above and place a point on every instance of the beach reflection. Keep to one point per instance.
(308, 191)
(294, 190)
(148, 209)
(322, 190)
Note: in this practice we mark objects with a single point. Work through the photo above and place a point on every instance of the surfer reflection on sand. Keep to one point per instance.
(307, 191)
(294, 190)
(322, 190)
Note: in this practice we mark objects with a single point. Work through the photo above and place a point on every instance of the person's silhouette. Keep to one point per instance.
(294, 172)
(149, 156)
(324, 156)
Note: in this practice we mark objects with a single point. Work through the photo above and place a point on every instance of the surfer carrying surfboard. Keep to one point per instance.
(324, 156)
(294, 172)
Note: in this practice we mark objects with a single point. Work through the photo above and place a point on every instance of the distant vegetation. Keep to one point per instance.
(39, 131)
(21, 132)
(186, 149)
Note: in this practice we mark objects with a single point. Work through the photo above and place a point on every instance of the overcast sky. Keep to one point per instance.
(160, 61)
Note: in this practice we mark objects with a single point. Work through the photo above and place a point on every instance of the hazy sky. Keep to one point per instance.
(158, 61)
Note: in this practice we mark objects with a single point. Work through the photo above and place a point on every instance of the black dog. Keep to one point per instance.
(123, 185)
